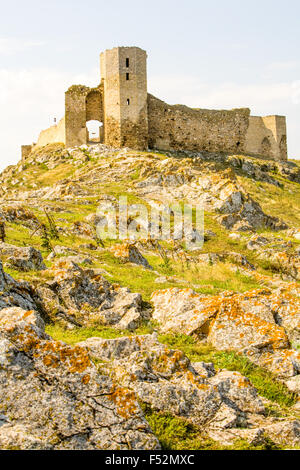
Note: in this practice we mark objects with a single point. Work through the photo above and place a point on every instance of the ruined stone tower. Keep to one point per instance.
(124, 75)
(127, 116)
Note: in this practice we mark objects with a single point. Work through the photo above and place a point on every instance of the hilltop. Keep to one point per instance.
(191, 348)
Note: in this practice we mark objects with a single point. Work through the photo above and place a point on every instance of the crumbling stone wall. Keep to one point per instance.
(266, 136)
(179, 127)
(82, 104)
(54, 134)
(75, 106)
(26, 151)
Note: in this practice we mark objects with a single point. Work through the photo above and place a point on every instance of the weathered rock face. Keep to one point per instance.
(289, 170)
(260, 324)
(285, 303)
(129, 253)
(218, 192)
(166, 380)
(282, 255)
(255, 169)
(184, 311)
(15, 293)
(231, 256)
(53, 397)
(82, 297)
(284, 363)
(83, 229)
(223, 404)
(64, 190)
(19, 214)
(240, 211)
(22, 258)
(294, 384)
(286, 432)
(238, 326)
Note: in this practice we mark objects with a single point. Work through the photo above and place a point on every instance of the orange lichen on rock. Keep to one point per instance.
(125, 401)
(76, 358)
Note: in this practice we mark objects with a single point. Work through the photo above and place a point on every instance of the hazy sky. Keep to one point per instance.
(216, 54)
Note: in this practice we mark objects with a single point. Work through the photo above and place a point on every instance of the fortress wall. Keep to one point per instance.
(26, 151)
(181, 128)
(256, 135)
(54, 134)
(75, 106)
(281, 130)
(133, 118)
(266, 136)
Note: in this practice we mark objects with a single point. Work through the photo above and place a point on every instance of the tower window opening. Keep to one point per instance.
(127, 62)
(127, 76)
(128, 101)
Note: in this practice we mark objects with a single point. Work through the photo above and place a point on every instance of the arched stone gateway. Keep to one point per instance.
(83, 104)
(95, 132)
(94, 106)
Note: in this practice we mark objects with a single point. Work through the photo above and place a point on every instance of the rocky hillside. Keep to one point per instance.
(110, 344)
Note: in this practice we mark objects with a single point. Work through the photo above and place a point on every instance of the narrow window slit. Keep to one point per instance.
(127, 62)
(128, 101)
(127, 76)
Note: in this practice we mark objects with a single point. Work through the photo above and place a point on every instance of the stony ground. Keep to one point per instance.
(140, 345)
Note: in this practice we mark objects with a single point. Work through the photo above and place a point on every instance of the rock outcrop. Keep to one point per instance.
(83, 297)
(22, 258)
(224, 405)
(91, 395)
(129, 253)
(15, 293)
(53, 397)
(260, 324)
(166, 380)
(218, 192)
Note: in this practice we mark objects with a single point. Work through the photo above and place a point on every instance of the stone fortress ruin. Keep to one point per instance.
(128, 116)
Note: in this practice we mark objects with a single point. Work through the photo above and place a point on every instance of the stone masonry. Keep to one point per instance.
(130, 117)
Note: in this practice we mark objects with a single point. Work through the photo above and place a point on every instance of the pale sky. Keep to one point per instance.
(217, 54)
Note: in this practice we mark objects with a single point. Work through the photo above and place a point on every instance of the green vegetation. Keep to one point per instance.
(280, 202)
(76, 335)
(266, 384)
(59, 333)
(178, 434)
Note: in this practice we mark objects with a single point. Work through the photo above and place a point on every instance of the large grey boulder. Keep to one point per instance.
(15, 293)
(53, 397)
(261, 324)
(83, 297)
(22, 258)
(167, 381)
